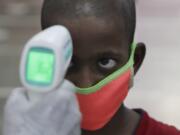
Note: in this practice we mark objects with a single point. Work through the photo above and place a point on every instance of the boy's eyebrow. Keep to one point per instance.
(116, 50)
(109, 54)
(103, 54)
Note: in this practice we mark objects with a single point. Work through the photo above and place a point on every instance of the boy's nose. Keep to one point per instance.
(84, 78)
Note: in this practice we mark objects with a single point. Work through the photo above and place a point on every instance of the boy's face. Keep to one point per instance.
(100, 48)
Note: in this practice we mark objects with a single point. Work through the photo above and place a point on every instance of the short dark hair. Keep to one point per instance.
(73, 8)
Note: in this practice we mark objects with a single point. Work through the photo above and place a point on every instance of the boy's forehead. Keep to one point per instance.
(93, 27)
(95, 34)
(102, 15)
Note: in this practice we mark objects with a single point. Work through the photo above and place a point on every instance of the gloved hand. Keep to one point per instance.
(57, 113)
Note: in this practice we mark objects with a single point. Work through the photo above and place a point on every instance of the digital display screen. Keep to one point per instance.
(40, 66)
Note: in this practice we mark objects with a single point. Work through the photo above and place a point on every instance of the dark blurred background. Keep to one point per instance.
(19, 19)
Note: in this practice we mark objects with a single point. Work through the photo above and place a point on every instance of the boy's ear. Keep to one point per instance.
(140, 53)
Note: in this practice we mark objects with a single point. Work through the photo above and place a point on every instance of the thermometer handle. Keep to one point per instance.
(36, 96)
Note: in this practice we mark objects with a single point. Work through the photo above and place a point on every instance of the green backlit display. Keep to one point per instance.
(40, 66)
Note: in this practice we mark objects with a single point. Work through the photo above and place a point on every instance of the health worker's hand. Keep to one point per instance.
(57, 113)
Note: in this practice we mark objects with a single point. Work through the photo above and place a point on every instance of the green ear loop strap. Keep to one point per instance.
(111, 77)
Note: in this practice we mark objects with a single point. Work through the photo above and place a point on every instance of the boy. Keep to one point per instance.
(104, 63)
(102, 33)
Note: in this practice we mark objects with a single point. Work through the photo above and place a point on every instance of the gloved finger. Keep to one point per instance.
(68, 86)
(71, 120)
(61, 95)
(54, 104)
(17, 99)
(12, 111)
(75, 130)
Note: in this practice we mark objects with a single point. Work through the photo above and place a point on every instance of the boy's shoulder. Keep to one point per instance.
(150, 126)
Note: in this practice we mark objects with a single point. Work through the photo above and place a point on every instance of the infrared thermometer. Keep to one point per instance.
(45, 60)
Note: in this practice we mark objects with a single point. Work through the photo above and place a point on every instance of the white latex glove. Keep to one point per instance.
(57, 113)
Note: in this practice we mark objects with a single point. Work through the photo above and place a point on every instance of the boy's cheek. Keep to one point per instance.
(84, 80)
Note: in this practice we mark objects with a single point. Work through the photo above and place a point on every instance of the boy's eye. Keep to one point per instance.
(107, 63)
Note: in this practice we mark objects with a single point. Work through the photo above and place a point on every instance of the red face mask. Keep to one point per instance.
(98, 104)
